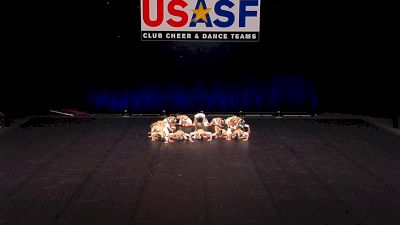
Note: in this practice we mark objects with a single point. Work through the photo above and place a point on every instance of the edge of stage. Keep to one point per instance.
(102, 169)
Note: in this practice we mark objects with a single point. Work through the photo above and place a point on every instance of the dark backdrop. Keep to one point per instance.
(313, 56)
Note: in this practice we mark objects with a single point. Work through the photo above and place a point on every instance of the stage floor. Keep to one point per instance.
(291, 171)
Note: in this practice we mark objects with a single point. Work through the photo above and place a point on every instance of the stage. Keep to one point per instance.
(292, 171)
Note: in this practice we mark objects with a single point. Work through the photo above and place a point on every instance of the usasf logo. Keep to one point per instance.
(200, 20)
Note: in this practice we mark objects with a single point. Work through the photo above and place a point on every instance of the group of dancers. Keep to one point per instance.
(168, 129)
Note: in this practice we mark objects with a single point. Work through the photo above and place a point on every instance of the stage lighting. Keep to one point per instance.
(126, 114)
(278, 114)
(241, 114)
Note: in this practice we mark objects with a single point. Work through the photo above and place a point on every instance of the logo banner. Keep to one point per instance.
(200, 20)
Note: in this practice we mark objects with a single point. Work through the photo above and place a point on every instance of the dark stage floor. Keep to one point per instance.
(107, 172)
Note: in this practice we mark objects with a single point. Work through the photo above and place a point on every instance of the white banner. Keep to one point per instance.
(230, 18)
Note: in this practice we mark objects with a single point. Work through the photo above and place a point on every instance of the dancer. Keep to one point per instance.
(201, 134)
(183, 120)
(220, 133)
(180, 136)
(240, 134)
(160, 131)
(244, 126)
(200, 120)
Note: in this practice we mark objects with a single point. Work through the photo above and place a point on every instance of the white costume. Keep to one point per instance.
(201, 118)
